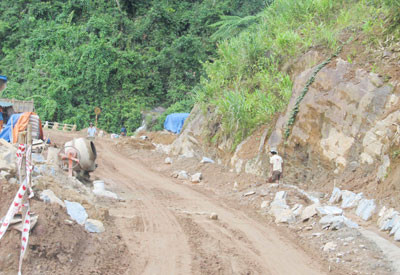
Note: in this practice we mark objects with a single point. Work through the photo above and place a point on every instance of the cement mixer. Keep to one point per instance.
(79, 155)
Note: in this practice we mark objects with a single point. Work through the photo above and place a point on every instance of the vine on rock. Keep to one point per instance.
(310, 81)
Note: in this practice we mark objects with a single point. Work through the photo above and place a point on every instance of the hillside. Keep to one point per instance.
(122, 56)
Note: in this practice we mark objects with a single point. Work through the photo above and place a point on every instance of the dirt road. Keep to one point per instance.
(167, 229)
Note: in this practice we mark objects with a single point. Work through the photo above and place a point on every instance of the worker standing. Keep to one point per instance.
(276, 162)
(1, 119)
(123, 131)
(91, 132)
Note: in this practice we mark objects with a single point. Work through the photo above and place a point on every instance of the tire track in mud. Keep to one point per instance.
(168, 242)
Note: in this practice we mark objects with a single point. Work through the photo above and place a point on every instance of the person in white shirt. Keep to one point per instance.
(91, 132)
(276, 166)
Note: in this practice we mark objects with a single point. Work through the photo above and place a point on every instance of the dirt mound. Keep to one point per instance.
(59, 246)
(160, 137)
(128, 144)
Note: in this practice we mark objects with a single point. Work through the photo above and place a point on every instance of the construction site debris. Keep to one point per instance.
(196, 178)
(366, 208)
(206, 160)
(94, 226)
(168, 160)
(48, 196)
(76, 211)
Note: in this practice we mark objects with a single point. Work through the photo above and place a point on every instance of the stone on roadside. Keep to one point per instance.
(350, 199)
(329, 210)
(330, 246)
(175, 174)
(206, 160)
(249, 193)
(386, 220)
(264, 204)
(396, 225)
(105, 193)
(196, 178)
(282, 215)
(76, 211)
(12, 181)
(214, 216)
(48, 196)
(168, 160)
(94, 226)
(309, 212)
(397, 235)
(183, 175)
(297, 209)
(337, 222)
(366, 208)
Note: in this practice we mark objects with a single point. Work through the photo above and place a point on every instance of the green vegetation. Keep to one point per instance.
(127, 56)
(120, 55)
(246, 81)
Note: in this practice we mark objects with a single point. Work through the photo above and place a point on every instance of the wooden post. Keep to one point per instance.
(96, 122)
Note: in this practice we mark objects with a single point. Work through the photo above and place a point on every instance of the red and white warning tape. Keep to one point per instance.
(17, 204)
(24, 237)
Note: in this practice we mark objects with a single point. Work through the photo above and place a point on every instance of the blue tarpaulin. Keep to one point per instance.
(6, 133)
(3, 78)
(174, 122)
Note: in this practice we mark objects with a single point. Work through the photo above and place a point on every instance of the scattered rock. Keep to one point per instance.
(350, 199)
(329, 210)
(196, 178)
(297, 209)
(249, 193)
(144, 137)
(309, 212)
(175, 174)
(331, 246)
(337, 222)
(365, 209)
(388, 219)
(264, 204)
(105, 193)
(183, 175)
(206, 160)
(214, 216)
(336, 195)
(280, 210)
(48, 196)
(168, 160)
(76, 211)
(94, 226)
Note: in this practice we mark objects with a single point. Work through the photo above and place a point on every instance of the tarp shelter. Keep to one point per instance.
(3, 82)
(19, 124)
(174, 122)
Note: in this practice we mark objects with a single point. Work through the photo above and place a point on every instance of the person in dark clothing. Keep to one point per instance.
(123, 131)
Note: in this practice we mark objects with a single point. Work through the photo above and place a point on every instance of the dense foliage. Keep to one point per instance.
(247, 82)
(123, 56)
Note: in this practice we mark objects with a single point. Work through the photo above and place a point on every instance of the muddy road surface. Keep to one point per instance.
(167, 227)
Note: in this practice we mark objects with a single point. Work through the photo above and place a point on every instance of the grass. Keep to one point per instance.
(245, 82)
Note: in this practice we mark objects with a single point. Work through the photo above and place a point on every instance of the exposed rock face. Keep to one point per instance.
(346, 122)
(343, 119)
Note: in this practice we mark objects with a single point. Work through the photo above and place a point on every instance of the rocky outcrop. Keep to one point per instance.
(346, 122)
